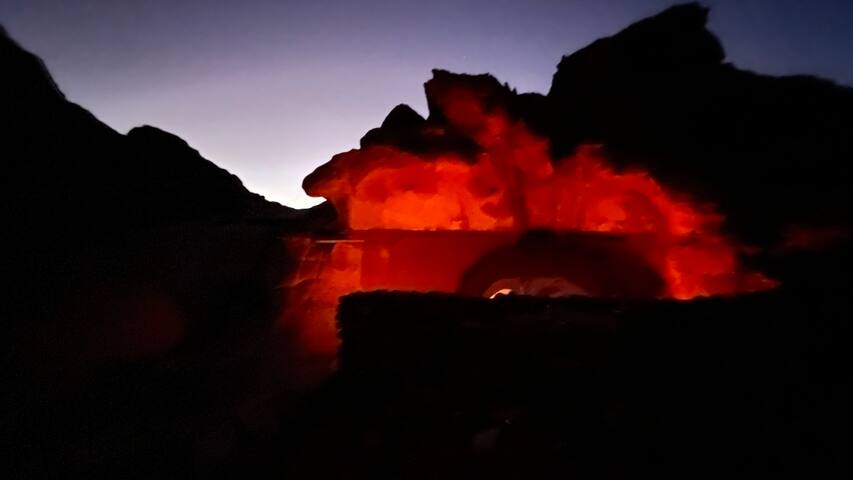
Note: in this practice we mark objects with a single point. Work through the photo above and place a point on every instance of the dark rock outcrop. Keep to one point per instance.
(770, 151)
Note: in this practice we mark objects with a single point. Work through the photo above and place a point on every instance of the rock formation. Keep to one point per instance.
(770, 152)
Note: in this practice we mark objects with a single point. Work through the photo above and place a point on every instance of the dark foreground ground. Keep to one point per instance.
(430, 386)
(436, 386)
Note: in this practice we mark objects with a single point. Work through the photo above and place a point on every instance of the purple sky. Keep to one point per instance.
(271, 89)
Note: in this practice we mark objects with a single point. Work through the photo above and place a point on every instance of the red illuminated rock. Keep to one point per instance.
(643, 135)
(475, 170)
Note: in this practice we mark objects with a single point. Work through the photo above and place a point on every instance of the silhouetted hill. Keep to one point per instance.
(140, 289)
(65, 168)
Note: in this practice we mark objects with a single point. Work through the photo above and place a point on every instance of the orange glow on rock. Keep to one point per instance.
(508, 187)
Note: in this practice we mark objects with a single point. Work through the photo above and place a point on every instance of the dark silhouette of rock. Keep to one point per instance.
(770, 151)
(140, 288)
(406, 129)
(675, 39)
(402, 126)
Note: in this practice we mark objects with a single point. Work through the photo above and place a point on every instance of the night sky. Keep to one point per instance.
(271, 89)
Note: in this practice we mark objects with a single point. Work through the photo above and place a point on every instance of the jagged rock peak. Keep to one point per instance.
(402, 116)
(676, 38)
